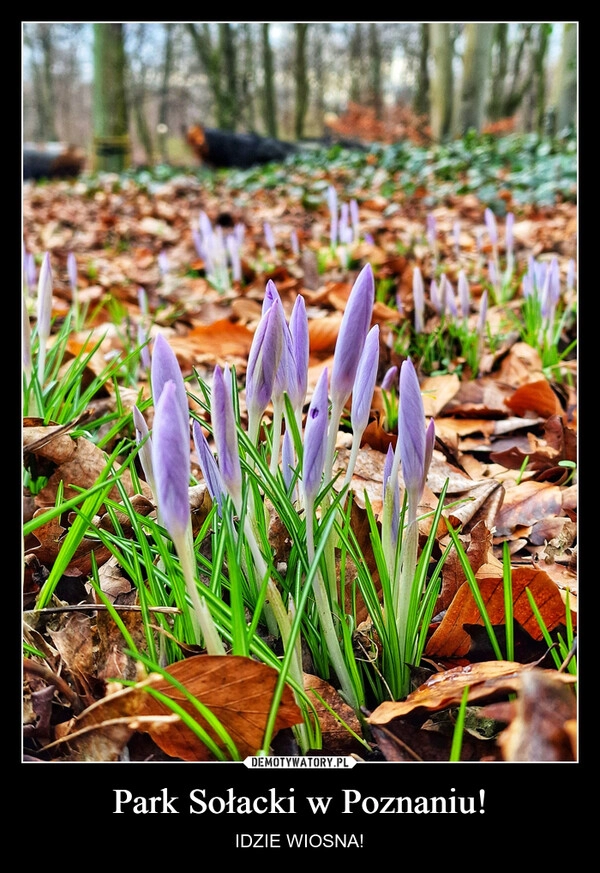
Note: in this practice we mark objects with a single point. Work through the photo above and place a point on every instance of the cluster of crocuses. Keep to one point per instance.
(278, 368)
(220, 250)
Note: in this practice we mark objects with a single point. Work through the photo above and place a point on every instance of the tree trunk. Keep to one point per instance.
(270, 111)
(111, 138)
(421, 100)
(229, 102)
(565, 92)
(302, 89)
(356, 55)
(163, 106)
(476, 65)
(442, 80)
(375, 70)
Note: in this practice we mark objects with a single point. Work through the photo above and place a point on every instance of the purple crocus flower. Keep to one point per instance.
(315, 439)
(263, 363)
(72, 271)
(364, 383)
(354, 218)
(464, 294)
(165, 367)
(390, 483)
(490, 223)
(388, 383)
(44, 298)
(437, 301)
(233, 250)
(508, 234)
(271, 295)
(570, 280)
(415, 446)
(418, 300)
(301, 353)
(163, 262)
(483, 305)
(352, 335)
(171, 462)
(332, 203)
(44, 313)
(209, 467)
(145, 453)
(447, 295)
(225, 434)
(270, 238)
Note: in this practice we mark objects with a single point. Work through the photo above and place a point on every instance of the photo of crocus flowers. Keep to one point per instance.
(299, 468)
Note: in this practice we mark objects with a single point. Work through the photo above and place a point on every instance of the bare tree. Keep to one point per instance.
(442, 82)
(565, 88)
(476, 65)
(270, 109)
(302, 89)
(375, 63)
(111, 137)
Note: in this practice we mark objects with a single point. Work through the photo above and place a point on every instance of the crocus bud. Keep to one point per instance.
(464, 294)
(364, 384)
(391, 493)
(72, 271)
(165, 367)
(263, 362)
(208, 465)
(447, 295)
(483, 305)
(490, 223)
(315, 439)
(414, 444)
(333, 215)
(352, 335)
(225, 434)
(389, 381)
(301, 352)
(171, 462)
(145, 453)
(418, 300)
(44, 298)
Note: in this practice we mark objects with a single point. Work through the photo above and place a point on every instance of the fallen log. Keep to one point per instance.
(224, 149)
(52, 160)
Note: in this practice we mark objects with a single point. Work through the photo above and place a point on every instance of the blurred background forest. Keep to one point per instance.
(140, 86)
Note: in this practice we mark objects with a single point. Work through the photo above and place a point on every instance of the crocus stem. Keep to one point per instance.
(326, 618)
(410, 545)
(276, 615)
(202, 620)
(278, 405)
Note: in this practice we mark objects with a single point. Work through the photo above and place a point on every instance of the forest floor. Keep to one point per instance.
(506, 440)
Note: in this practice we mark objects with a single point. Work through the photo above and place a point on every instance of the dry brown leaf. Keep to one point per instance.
(336, 738)
(535, 397)
(237, 690)
(451, 640)
(222, 339)
(323, 333)
(446, 688)
(526, 503)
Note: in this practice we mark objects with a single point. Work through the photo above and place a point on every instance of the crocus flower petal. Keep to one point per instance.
(263, 359)
(44, 298)
(165, 367)
(72, 270)
(390, 483)
(355, 325)
(145, 452)
(490, 223)
(411, 430)
(301, 352)
(225, 434)
(364, 384)
(171, 462)
(315, 438)
(208, 465)
(418, 299)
